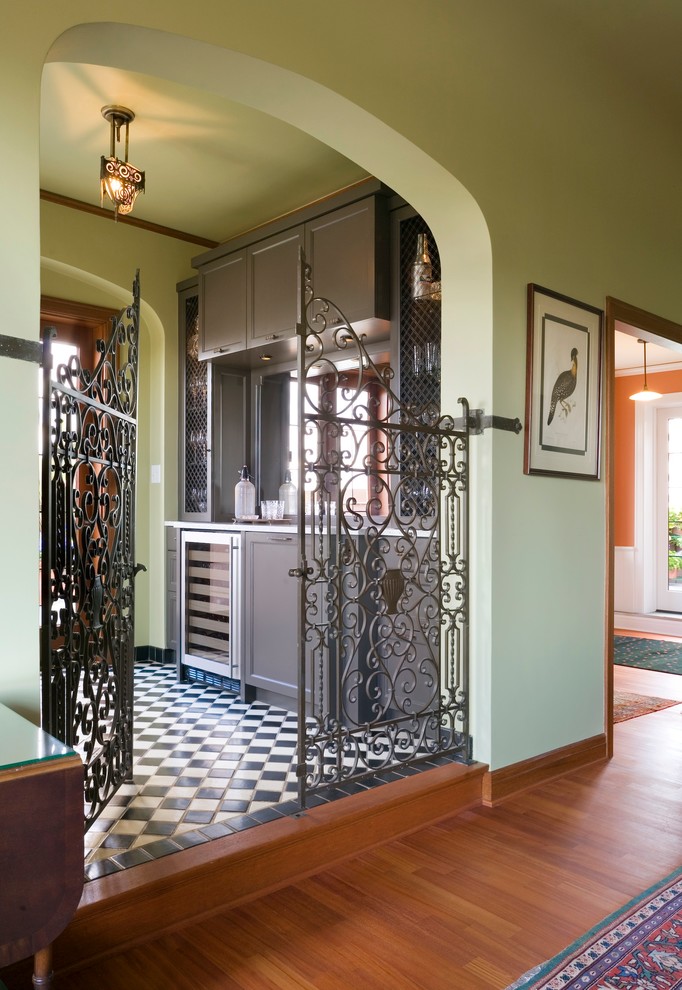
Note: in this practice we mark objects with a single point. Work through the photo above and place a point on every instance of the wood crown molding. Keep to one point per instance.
(99, 211)
(499, 785)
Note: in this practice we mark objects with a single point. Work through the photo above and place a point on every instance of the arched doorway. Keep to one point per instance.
(451, 212)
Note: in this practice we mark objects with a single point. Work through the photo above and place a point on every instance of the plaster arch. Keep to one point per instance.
(111, 292)
(450, 210)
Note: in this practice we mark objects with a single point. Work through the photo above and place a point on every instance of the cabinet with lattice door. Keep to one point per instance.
(194, 454)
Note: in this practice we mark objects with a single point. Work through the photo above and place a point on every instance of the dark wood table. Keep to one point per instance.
(41, 842)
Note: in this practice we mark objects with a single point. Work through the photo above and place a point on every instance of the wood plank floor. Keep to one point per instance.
(468, 904)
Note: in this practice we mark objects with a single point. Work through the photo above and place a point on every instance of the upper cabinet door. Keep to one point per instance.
(349, 255)
(222, 305)
(273, 287)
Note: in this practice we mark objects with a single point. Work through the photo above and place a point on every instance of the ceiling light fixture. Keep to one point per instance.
(645, 394)
(120, 180)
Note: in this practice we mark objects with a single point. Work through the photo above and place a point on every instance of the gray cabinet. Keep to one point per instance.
(194, 435)
(223, 305)
(214, 425)
(248, 289)
(230, 438)
(273, 289)
(348, 251)
(271, 614)
(172, 567)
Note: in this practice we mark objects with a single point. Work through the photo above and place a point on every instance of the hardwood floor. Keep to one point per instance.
(651, 682)
(468, 904)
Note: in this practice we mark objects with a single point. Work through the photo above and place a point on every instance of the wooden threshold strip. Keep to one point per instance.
(138, 904)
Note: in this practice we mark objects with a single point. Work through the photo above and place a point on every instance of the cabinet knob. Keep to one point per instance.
(272, 336)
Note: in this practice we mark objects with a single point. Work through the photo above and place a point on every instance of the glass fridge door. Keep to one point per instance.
(210, 641)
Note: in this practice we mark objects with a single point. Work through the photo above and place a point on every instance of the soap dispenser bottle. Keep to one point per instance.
(287, 494)
(244, 496)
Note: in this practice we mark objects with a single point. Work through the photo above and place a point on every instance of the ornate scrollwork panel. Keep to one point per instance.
(88, 558)
(385, 565)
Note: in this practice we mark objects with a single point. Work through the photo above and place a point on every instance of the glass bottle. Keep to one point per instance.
(287, 494)
(244, 496)
(422, 269)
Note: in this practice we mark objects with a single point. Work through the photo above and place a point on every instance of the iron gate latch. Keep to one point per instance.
(476, 422)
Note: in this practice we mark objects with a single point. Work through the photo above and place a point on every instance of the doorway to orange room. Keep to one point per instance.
(638, 586)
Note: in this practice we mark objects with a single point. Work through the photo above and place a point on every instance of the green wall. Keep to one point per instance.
(90, 259)
(533, 153)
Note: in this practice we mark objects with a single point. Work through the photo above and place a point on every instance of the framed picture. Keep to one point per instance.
(563, 386)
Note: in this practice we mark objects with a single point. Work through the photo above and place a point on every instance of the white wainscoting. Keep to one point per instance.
(630, 604)
(656, 623)
(624, 580)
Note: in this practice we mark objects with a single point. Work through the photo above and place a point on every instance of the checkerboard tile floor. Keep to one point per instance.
(206, 763)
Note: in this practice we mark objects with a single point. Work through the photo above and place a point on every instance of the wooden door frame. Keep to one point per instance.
(654, 329)
(77, 321)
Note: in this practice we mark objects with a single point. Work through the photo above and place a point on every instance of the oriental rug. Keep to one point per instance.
(648, 654)
(639, 946)
(626, 706)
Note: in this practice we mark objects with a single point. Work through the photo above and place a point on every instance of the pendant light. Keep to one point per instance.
(646, 394)
(119, 180)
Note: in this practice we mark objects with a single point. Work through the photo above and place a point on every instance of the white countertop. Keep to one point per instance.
(276, 526)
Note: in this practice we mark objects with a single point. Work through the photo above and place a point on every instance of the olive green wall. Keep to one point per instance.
(533, 153)
(90, 259)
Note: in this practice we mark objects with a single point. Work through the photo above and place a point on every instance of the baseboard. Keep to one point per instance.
(134, 906)
(499, 785)
(654, 623)
(158, 654)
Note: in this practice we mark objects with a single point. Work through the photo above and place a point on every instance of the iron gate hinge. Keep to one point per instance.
(21, 350)
(476, 422)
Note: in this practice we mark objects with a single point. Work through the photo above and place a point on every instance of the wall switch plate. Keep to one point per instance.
(156, 474)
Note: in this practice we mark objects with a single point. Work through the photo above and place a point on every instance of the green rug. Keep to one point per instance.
(648, 654)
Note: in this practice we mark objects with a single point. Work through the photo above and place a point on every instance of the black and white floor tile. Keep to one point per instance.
(206, 763)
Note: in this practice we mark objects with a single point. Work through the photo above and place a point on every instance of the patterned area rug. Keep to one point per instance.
(648, 654)
(627, 706)
(639, 946)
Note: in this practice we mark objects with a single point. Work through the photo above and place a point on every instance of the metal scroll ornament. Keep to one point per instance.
(383, 565)
(90, 439)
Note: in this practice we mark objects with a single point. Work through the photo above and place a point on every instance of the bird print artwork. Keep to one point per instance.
(564, 387)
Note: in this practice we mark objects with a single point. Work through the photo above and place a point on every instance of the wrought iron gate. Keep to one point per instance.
(383, 564)
(87, 565)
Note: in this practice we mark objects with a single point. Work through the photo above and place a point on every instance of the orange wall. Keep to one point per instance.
(624, 448)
